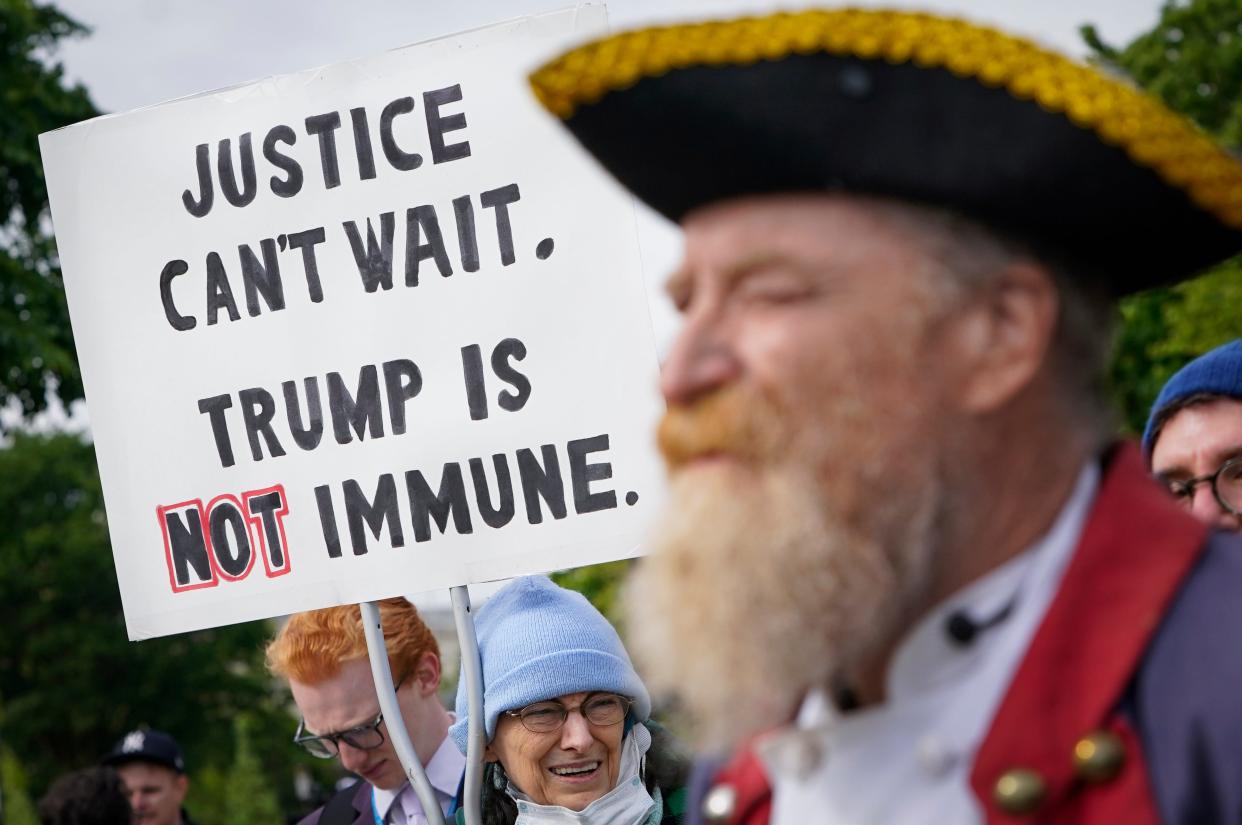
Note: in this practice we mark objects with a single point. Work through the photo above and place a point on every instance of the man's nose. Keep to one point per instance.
(701, 360)
(351, 758)
(576, 733)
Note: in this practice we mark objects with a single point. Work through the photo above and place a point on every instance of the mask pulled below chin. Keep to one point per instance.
(628, 803)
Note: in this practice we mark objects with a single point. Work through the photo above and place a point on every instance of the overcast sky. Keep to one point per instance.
(143, 52)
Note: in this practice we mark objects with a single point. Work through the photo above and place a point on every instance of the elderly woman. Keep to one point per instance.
(565, 717)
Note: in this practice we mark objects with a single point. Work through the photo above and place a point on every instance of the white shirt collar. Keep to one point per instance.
(1024, 584)
(443, 772)
(940, 699)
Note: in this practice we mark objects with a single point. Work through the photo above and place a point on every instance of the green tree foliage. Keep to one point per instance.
(249, 796)
(600, 583)
(36, 345)
(1192, 60)
(70, 682)
(16, 808)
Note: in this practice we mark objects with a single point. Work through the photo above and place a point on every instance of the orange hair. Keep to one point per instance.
(312, 646)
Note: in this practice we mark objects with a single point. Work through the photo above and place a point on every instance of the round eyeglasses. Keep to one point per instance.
(325, 746)
(1226, 484)
(602, 709)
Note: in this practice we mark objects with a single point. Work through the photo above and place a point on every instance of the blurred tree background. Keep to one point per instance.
(36, 344)
(601, 583)
(1192, 60)
(70, 683)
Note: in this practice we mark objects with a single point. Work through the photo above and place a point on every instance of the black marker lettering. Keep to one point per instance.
(374, 262)
(359, 411)
(541, 481)
(327, 520)
(450, 500)
(374, 514)
(219, 293)
(214, 407)
(292, 184)
(202, 160)
(502, 514)
(258, 408)
(499, 199)
(306, 435)
(228, 180)
(362, 143)
(467, 237)
(262, 278)
(510, 349)
(324, 127)
(421, 221)
(402, 381)
(306, 241)
(438, 124)
(400, 160)
(176, 320)
(582, 474)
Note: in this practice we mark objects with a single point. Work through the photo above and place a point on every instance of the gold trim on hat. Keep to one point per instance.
(1153, 136)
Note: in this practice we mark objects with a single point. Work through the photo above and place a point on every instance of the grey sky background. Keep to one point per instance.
(143, 52)
(146, 51)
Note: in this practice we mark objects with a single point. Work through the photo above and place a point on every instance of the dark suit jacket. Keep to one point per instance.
(359, 798)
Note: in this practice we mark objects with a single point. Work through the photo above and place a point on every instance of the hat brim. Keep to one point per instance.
(1020, 139)
(116, 760)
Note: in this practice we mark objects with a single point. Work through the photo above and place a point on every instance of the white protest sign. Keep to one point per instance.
(369, 329)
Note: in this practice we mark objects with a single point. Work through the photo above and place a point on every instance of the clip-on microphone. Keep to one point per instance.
(963, 629)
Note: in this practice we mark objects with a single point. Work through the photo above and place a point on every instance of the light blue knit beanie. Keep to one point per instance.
(539, 641)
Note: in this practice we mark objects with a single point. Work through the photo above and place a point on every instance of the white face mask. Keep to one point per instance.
(626, 804)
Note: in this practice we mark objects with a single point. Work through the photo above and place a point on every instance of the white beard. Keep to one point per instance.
(763, 584)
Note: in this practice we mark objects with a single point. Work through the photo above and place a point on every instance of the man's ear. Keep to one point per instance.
(182, 784)
(489, 755)
(427, 673)
(1003, 336)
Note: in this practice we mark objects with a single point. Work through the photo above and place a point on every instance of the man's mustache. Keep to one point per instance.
(734, 422)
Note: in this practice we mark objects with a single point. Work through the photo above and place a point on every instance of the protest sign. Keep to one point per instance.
(365, 330)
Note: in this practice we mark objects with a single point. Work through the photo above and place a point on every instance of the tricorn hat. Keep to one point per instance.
(911, 106)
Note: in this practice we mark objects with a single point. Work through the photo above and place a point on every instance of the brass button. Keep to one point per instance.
(1098, 756)
(1019, 791)
(719, 804)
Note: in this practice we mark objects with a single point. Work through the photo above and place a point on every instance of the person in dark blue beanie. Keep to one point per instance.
(1193, 438)
(565, 717)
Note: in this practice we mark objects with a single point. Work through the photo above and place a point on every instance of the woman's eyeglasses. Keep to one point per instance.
(602, 709)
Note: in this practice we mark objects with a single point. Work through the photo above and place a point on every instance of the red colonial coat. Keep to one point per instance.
(1136, 550)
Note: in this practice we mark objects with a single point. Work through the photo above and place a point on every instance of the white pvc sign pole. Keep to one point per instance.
(472, 675)
(386, 691)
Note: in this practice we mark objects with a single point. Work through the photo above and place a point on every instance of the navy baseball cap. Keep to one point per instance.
(147, 745)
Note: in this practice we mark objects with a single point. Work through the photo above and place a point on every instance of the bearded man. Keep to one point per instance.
(904, 565)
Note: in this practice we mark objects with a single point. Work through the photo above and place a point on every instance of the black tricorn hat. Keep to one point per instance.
(912, 106)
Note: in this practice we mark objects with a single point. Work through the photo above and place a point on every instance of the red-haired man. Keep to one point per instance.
(323, 654)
